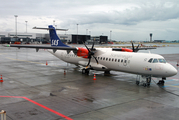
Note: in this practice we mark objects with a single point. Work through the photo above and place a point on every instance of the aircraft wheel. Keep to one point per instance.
(83, 71)
(144, 84)
(137, 82)
(161, 82)
(87, 72)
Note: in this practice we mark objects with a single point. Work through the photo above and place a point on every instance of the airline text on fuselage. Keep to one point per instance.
(119, 55)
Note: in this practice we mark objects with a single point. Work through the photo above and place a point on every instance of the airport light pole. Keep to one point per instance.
(77, 33)
(26, 26)
(86, 31)
(54, 23)
(110, 35)
(16, 24)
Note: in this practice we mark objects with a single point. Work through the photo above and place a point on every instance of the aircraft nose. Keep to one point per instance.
(173, 71)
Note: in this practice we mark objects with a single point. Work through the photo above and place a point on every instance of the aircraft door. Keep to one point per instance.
(125, 62)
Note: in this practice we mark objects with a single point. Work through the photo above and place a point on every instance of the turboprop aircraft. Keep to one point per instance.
(106, 59)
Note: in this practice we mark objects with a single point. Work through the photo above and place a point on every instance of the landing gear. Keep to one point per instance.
(85, 71)
(137, 82)
(161, 82)
(106, 72)
(143, 80)
(148, 81)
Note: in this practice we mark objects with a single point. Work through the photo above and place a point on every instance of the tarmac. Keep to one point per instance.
(39, 86)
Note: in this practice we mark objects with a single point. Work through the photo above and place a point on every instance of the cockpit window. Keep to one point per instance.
(150, 60)
(162, 60)
(155, 61)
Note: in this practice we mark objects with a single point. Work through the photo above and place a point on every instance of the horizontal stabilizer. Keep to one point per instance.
(49, 29)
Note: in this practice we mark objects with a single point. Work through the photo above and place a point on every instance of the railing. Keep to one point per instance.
(3, 115)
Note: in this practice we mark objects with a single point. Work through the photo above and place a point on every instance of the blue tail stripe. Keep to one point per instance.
(55, 40)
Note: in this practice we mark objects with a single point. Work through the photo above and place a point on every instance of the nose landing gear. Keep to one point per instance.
(161, 82)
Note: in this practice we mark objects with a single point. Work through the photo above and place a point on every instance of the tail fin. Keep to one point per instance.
(55, 40)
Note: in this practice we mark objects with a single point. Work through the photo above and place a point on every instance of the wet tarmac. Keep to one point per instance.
(33, 90)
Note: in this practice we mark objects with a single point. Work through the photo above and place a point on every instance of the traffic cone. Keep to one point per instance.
(1, 80)
(94, 78)
(46, 63)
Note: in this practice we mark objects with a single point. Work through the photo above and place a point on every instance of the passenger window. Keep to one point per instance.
(118, 60)
(109, 59)
(121, 60)
(150, 60)
(112, 59)
(115, 60)
(128, 61)
(125, 61)
(106, 59)
(101, 58)
(155, 61)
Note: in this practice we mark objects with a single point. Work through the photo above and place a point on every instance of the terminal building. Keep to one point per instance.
(27, 38)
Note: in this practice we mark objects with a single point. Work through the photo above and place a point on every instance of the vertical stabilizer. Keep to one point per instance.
(55, 40)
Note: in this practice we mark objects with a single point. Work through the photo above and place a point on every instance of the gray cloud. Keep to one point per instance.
(131, 16)
(122, 17)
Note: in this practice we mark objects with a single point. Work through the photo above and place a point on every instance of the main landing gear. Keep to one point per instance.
(143, 80)
(85, 71)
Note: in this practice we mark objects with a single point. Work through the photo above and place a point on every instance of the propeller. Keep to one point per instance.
(91, 53)
(135, 49)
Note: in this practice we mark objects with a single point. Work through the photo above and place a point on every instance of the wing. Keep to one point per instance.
(37, 47)
(130, 50)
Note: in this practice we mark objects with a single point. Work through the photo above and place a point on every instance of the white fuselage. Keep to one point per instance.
(130, 62)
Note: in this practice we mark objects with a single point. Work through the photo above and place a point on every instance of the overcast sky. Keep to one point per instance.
(127, 19)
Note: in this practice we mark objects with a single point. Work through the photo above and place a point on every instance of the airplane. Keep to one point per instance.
(126, 60)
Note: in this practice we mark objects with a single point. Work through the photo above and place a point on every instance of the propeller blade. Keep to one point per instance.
(137, 46)
(90, 53)
(136, 50)
(89, 62)
(95, 59)
(86, 47)
(92, 47)
(133, 46)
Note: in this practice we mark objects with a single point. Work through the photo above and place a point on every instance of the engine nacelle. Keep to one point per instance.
(82, 52)
(122, 49)
(127, 50)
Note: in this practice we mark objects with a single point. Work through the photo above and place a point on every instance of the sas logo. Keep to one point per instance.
(55, 42)
(148, 69)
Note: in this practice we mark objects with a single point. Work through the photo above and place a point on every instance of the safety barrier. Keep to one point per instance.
(3, 115)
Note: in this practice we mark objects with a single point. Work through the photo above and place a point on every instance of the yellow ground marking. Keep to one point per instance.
(173, 86)
(24, 60)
